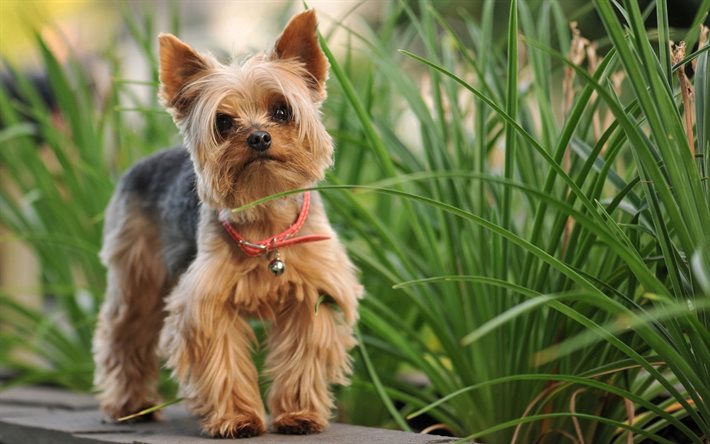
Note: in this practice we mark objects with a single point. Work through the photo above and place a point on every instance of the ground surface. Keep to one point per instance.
(51, 416)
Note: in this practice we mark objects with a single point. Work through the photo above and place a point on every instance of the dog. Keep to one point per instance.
(186, 272)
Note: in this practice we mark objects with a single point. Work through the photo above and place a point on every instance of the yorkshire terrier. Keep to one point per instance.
(186, 272)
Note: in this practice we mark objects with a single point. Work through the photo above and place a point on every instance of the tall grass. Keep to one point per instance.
(531, 230)
(56, 179)
(560, 291)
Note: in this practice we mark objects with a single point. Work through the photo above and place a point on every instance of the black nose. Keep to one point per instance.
(259, 140)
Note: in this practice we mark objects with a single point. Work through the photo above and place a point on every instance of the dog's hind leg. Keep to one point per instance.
(124, 347)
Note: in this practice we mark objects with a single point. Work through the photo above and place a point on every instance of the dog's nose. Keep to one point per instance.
(259, 140)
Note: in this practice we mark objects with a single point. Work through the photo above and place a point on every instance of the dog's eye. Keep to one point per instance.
(224, 124)
(282, 113)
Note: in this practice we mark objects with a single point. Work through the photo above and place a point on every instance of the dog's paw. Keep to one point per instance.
(300, 423)
(239, 426)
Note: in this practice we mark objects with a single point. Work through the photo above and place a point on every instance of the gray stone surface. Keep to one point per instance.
(15, 411)
(47, 397)
(42, 416)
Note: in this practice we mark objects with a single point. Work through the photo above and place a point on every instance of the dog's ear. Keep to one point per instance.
(300, 41)
(179, 65)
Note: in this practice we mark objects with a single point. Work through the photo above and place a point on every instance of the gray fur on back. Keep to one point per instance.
(162, 187)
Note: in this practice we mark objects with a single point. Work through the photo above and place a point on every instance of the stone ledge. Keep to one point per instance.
(50, 416)
(47, 397)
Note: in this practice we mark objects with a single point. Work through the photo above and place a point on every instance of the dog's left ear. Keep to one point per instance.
(300, 41)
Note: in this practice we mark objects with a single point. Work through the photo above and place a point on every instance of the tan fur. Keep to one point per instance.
(130, 319)
(306, 353)
(206, 339)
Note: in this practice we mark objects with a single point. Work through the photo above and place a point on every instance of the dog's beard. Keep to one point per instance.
(231, 184)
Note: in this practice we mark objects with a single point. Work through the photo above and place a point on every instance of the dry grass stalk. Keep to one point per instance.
(579, 49)
(576, 54)
(592, 63)
(687, 94)
(702, 41)
(629, 406)
(575, 420)
(550, 386)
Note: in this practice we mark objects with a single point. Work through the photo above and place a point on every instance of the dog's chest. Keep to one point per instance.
(258, 291)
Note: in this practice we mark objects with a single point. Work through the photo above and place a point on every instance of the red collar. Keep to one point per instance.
(277, 241)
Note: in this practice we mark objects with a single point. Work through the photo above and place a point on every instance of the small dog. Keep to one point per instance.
(185, 273)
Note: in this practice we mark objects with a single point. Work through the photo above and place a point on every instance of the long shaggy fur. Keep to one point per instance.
(179, 287)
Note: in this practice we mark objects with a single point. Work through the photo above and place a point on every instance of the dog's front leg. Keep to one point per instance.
(208, 346)
(308, 351)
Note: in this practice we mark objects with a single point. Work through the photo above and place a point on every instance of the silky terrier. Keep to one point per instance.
(186, 272)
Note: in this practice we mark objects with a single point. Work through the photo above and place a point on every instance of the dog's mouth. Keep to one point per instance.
(260, 159)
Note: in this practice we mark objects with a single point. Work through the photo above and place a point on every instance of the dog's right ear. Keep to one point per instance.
(179, 65)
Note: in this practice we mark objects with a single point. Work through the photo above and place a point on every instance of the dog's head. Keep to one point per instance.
(253, 128)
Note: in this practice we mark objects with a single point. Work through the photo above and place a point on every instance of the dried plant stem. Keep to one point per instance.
(687, 94)
(575, 420)
(579, 49)
(629, 406)
(149, 410)
(702, 41)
